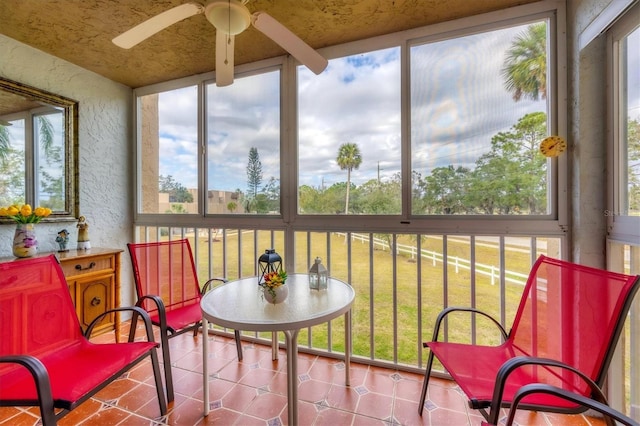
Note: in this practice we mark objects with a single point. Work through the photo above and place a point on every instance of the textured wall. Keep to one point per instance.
(106, 183)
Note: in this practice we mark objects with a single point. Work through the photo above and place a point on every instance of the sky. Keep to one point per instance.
(458, 103)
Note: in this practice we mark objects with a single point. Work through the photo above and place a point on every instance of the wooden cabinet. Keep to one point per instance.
(93, 277)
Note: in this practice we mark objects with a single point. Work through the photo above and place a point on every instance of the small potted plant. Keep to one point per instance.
(274, 286)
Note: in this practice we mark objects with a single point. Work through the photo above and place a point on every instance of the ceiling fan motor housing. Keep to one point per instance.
(230, 16)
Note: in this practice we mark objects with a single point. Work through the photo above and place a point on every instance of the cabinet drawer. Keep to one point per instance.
(96, 297)
(91, 265)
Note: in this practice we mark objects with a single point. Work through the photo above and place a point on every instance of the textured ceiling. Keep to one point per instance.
(10, 103)
(80, 31)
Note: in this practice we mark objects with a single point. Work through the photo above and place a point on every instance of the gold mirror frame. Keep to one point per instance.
(24, 93)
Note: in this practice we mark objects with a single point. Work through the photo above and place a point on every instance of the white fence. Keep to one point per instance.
(491, 271)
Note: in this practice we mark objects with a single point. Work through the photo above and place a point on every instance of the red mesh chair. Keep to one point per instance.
(600, 405)
(564, 333)
(168, 289)
(45, 359)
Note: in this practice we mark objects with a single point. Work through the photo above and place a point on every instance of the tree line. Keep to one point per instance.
(509, 179)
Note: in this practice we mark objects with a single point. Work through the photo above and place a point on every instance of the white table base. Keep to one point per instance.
(239, 306)
(291, 340)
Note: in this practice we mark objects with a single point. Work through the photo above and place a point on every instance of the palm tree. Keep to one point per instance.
(4, 144)
(46, 138)
(46, 135)
(525, 66)
(349, 158)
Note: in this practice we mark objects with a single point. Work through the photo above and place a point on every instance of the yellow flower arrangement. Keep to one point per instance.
(25, 214)
(273, 280)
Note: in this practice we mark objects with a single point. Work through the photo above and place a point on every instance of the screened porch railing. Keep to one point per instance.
(401, 281)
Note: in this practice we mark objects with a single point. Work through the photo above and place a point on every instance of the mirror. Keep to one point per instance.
(38, 150)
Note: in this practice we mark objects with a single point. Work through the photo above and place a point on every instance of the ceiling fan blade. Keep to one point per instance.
(289, 41)
(224, 58)
(151, 26)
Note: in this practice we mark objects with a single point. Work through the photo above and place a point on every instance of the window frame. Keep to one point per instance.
(556, 223)
(621, 228)
(265, 68)
(555, 165)
(553, 224)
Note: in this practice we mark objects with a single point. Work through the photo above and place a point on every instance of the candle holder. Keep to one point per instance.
(269, 261)
(318, 275)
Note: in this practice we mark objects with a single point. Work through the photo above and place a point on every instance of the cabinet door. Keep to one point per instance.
(72, 292)
(96, 296)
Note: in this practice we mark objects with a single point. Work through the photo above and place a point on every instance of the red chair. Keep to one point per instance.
(45, 359)
(600, 405)
(168, 289)
(564, 333)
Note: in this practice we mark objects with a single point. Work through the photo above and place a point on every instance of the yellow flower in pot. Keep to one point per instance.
(25, 214)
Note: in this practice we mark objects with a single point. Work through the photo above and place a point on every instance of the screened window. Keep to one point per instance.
(478, 114)
(242, 141)
(624, 48)
(349, 136)
(628, 129)
(243, 146)
(169, 151)
(623, 209)
(430, 125)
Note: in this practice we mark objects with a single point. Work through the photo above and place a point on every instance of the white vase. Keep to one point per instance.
(281, 294)
(25, 243)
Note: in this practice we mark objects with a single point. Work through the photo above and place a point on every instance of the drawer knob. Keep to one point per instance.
(96, 301)
(80, 268)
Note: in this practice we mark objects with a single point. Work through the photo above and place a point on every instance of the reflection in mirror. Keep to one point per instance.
(38, 149)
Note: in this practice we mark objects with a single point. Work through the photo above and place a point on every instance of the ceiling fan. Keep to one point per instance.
(229, 17)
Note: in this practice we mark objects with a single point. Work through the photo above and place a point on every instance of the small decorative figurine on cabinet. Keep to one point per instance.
(83, 234)
(62, 239)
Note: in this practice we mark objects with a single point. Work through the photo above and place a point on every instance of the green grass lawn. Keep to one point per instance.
(384, 316)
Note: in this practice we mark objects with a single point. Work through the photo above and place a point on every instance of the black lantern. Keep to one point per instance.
(268, 262)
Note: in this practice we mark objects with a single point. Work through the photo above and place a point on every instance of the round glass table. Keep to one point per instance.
(240, 305)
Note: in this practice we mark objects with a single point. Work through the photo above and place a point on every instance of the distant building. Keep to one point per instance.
(218, 202)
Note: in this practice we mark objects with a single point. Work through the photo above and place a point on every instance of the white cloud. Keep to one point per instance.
(460, 102)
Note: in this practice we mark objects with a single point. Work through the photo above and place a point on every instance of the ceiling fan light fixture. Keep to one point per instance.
(230, 16)
(224, 59)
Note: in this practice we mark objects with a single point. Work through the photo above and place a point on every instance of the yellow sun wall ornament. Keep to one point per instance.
(553, 146)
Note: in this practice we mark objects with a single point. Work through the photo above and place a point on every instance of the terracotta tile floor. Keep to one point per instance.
(253, 392)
